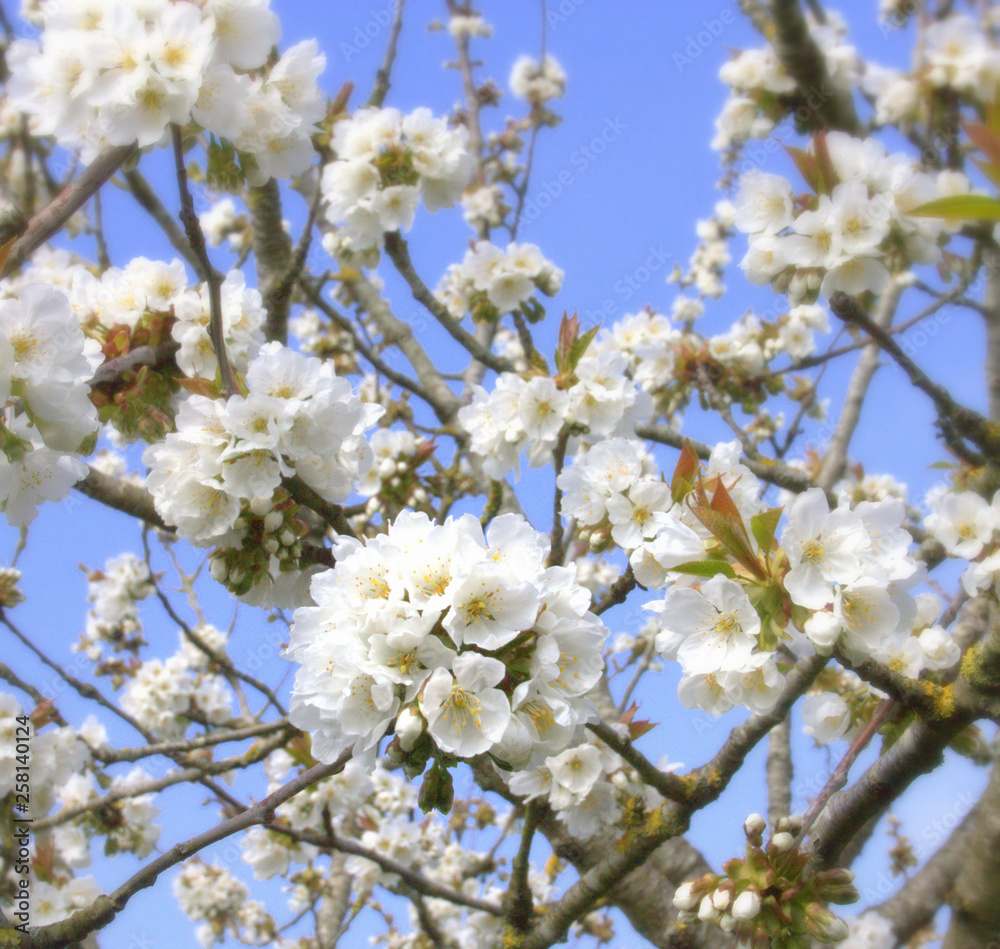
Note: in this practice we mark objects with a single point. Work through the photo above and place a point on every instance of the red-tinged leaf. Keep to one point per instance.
(828, 178)
(639, 728)
(960, 207)
(636, 729)
(990, 169)
(44, 713)
(985, 139)
(806, 165)
(764, 526)
(686, 472)
(200, 386)
(568, 329)
(705, 568)
(5, 251)
(723, 503)
(737, 546)
(423, 452)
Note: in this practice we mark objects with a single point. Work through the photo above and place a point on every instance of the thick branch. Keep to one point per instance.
(779, 772)
(975, 909)
(122, 496)
(831, 106)
(50, 220)
(914, 906)
(272, 252)
(920, 749)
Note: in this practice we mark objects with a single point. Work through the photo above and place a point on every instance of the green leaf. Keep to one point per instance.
(705, 568)
(580, 346)
(764, 525)
(960, 207)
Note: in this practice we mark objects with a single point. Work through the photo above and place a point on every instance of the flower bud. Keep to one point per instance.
(792, 824)
(409, 728)
(746, 905)
(754, 825)
(684, 898)
(707, 913)
(824, 925)
(261, 506)
(721, 899)
(783, 841)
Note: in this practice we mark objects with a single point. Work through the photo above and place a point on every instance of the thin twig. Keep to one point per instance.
(192, 227)
(384, 74)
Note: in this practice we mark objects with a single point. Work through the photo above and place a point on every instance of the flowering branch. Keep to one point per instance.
(105, 908)
(804, 61)
(196, 238)
(399, 253)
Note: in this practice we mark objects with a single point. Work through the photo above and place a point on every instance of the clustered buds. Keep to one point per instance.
(770, 898)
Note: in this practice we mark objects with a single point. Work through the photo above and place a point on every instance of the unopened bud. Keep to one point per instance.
(746, 905)
(721, 899)
(783, 842)
(754, 825)
(824, 925)
(409, 728)
(706, 911)
(684, 897)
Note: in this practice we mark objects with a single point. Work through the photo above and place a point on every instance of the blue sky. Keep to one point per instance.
(617, 189)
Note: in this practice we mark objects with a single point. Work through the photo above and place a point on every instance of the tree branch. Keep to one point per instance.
(50, 220)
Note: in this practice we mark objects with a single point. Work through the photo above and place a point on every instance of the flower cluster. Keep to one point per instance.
(841, 578)
(397, 454)
(127, 823)
(45, 366)
(588, 787)
(210, 895)
(386, 163)
(113, 620)
(850, 234)
(121, 72)
(490, 282)
(217, 477)
(770, 897)
(467, 642)
(958, 54)
(537, 82)
(707, 265)
(166, 696)
(762, 90)
(521, 415)
(120, 304)
(967, 526)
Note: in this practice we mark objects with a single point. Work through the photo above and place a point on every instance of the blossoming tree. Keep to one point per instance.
(442, 549)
